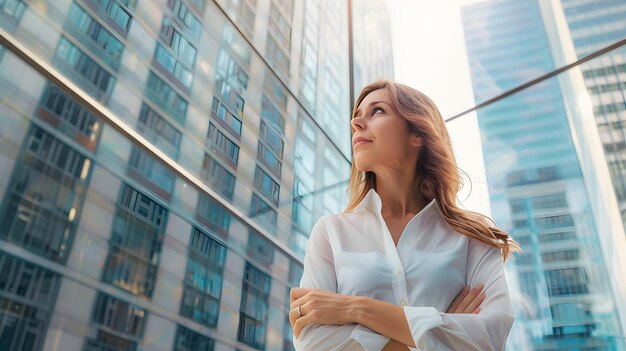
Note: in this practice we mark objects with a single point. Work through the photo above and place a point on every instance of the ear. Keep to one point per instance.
(415, 141)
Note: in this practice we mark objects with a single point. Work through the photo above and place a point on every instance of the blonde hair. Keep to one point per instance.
(437, 173)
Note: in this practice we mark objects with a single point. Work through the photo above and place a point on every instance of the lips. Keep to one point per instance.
(360, 140)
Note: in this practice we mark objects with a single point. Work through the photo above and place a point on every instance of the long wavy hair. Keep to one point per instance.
(437, 173)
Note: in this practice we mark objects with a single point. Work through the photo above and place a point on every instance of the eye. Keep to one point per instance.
(377, 109)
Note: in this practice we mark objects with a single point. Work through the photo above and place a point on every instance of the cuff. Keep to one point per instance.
(370, 340)
(421, 320)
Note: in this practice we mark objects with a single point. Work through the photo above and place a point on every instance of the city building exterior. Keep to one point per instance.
(545, 179)
(594, 25)
(102, 245)
(371, 42)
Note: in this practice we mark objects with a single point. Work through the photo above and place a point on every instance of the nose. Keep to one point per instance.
(357, 123)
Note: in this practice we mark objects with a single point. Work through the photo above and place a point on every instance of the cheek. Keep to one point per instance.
(392, 144)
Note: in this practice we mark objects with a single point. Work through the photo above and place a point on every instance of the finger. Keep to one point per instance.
(475, 303)
(457, 300)
(468, 298)
(301, 323)
(296, 292)
(293, 316)
(476, 311)
(301, 300)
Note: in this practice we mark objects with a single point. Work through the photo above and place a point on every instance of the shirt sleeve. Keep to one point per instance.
(319, 273)
(487, 330)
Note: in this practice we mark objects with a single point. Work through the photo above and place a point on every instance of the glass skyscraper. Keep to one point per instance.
(371, 42)
(107, 244)
(542, 190)
(593, 25)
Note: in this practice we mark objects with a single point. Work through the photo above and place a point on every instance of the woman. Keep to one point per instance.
(386, 273)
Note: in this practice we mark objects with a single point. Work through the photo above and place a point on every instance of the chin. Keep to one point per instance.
(361, 168)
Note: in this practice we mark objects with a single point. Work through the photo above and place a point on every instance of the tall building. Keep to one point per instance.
(371, 42)
(544, 189)
(594, 25)
(105, 245)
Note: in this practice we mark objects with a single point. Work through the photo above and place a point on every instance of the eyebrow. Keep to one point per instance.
(358, 111)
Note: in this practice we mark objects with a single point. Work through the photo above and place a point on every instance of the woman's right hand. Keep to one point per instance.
(468, 301)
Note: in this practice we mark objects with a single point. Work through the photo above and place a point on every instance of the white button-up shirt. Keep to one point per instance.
(354, 254)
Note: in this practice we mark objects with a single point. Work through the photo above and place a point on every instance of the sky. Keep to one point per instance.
(429, 55)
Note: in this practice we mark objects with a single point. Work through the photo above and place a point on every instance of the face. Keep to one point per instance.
(388, 141)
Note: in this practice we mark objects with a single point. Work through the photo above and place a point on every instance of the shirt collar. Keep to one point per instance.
(373, 203)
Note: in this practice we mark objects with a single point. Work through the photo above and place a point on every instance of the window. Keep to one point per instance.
(272, 139)
(220, 143)
(260, 249)
(127, 321)
(218, 176)
(552, 237)
(166, 98)
(177, 56)
(555, 221)
(276, 57)
(203, 279)
(212, 214)
(12, 8)
(189, 340)
(254, 306)
(90, 76)
(231, 97)
(269, 159)
(564, 255)
(135, 244)
(528, 283)
(109, 342)
(267, 185)
(279, 27)
(276, 89)
(518, 205)
(237, 44)
(159, 131)
(73, 114)
(27, 296)
(263, 213)
(550, 201)
(104, 41)
(309, 74)
(186, 17)
(301, 212)
(306, 128)
(225, 117)
(571, 313)
(160, 178)
(272, 115)
(118, 15)
(567, 281)
(243, 12)
(305, 158)
(229, 69)
(46, 194)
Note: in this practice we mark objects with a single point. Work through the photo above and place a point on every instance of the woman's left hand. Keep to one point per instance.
(318, 306)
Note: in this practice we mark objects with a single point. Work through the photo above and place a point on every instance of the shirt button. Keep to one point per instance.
(403, 303)
(396, 272)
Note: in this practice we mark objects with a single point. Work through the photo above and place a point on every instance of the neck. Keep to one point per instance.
(399, 194)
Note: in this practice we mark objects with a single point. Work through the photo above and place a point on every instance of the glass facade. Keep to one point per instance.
(594, 25)
(103, 244)
(371, 42)
(545, 169)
